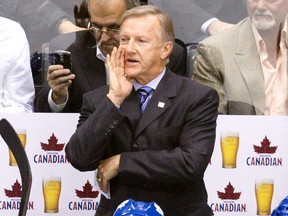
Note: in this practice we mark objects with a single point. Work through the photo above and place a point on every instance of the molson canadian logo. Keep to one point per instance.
(14, 198)
(229, 200)
(52, 149)
(86, 199)
(265, 150)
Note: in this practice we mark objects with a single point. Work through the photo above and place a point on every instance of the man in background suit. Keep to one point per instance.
(247, 64)
(195, 19)
(159, 154)
(63, 91)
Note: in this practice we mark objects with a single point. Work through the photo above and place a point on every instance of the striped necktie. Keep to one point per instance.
(144, 93)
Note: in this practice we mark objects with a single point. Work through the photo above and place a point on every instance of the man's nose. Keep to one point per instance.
(130, 46)
(104, 35)
(262, 4)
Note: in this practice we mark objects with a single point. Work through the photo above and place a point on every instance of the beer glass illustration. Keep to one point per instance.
(264, 193)
(51, 187)
(22, 136)
(229, 148)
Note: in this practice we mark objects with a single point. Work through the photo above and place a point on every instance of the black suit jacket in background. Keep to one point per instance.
(164, 152)
(89, 70)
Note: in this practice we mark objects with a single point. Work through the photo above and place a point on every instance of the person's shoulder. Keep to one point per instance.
(187, 84)
(9, 26)
(12, 38)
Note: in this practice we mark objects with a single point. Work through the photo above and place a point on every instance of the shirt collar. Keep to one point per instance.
(100, 55)
(260, 42)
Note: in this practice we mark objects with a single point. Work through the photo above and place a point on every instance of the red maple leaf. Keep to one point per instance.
(265, 147)
(229, 193)
(87, 191)
(52, 144)
(16, 190)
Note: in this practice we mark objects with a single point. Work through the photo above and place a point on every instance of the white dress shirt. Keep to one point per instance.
(16, 83)
(275, 77)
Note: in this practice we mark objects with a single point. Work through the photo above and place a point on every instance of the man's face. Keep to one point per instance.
(145, 52)
(267, 14)
(105, 15)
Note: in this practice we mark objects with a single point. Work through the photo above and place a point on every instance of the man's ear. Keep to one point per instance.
(166, 49)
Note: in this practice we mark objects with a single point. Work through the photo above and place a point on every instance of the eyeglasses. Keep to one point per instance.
(112, 31)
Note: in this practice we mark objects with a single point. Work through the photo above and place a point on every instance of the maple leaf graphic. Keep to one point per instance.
(229, 193)
(16, 190)
(265, 147)
(52, 144)
(87, 191)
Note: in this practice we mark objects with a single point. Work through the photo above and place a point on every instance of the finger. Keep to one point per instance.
(60, 78)
(99, 181)
(58, 73)
(104, 186)
(120, 59)
(113, 58)
(98, 177)
(52, 68)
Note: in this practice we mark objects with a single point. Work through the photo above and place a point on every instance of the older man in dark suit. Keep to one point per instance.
(63, 91)
(159, 151)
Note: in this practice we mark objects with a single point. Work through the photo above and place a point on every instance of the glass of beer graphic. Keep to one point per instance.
(51, 187)
(229, 148)
(22, 136)
(264, 193)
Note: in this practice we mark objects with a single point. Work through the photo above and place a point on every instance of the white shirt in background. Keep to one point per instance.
(16, 82)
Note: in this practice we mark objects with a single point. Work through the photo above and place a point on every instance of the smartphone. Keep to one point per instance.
(62, 57)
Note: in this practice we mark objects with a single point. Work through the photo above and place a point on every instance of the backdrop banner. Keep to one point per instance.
(247, 174)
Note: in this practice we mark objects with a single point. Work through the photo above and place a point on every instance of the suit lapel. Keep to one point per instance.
(159, 102)
(251, 70)
(93, 68)
(130, 107)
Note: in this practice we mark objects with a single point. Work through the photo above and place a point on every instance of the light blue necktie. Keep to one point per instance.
(144, 93)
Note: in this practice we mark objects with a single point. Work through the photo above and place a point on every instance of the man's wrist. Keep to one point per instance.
(58, 100)
(117, 101)
(205, 26)
(53, 106)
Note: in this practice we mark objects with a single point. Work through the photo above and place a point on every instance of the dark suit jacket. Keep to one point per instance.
(90, 71)
(189, 15)
(164, 152)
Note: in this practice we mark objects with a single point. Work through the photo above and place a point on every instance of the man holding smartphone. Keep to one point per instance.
(63, 90)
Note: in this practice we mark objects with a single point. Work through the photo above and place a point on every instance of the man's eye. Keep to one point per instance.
(142, 41)
(123, 40)
(115, 27)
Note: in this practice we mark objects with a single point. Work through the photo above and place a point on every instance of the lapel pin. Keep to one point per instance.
(161, 104)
